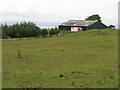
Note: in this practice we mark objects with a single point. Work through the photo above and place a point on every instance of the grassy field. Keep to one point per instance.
(87, 59)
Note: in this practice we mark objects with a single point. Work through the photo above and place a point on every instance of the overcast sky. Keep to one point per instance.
(58, 10)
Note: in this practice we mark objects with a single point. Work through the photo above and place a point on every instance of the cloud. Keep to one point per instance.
(58, 10)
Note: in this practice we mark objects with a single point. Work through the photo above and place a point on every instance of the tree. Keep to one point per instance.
(21, 30)
(44, 32)
(51, 32)
(57, 31)
(4, 34)
(94, 17)
(26, 29)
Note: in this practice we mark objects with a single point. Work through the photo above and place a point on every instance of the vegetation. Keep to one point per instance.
(26, 30)
(94, 17)
(86, 59)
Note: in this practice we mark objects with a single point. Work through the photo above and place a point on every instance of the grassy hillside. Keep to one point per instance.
(86, 59)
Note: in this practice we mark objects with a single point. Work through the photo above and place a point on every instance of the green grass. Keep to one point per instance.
(87, 59)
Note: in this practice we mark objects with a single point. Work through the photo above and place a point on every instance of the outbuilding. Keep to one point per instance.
(82, 25)
(111, 27)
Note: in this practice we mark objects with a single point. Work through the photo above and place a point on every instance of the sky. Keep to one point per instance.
(58, 10)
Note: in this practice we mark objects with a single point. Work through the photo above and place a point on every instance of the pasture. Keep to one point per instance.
(86, 59)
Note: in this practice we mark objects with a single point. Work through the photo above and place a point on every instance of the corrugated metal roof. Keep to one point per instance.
(79, 23)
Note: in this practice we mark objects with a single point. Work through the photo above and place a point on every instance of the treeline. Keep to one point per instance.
(27, 29)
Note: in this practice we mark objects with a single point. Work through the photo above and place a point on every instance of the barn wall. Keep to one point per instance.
(68, 28)
(98, 25)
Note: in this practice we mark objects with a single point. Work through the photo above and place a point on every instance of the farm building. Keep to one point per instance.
(111, 27)
(78, 25)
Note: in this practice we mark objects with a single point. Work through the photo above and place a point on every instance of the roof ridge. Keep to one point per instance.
(83, 20)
